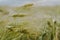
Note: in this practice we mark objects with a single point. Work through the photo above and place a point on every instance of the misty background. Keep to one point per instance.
(36, 2)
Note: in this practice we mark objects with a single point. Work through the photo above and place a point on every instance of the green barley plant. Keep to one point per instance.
(37, 24)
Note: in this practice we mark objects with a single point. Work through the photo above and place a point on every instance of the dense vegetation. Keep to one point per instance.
(30, 23)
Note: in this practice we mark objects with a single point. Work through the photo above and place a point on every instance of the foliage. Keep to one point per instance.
(41, 23)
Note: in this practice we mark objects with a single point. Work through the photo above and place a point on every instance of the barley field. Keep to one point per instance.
(29, 22)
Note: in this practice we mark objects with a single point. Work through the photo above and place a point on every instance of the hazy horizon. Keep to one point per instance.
(22, 2)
